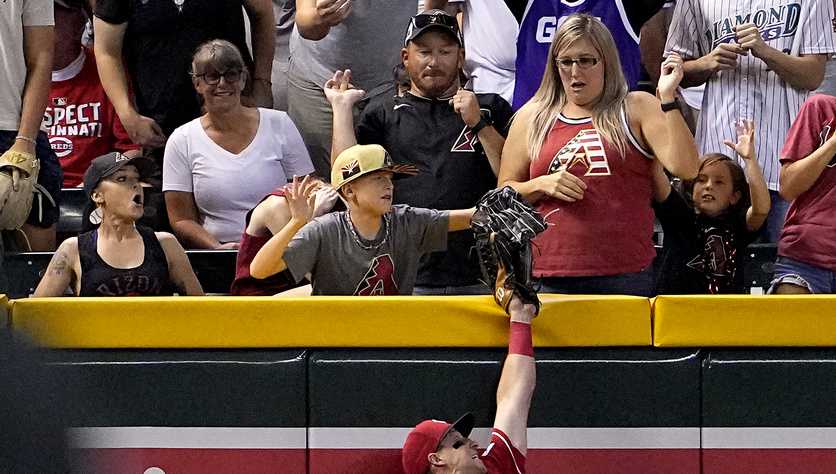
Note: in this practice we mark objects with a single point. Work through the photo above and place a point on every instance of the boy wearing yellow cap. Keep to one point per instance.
(373, 248)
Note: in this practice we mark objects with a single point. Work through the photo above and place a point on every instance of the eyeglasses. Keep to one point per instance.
(583, 62)
(214, 78)
(425, 19)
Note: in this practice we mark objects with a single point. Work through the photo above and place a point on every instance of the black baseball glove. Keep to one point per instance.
(504, 224)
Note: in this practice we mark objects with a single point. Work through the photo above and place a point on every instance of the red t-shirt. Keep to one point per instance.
(810, 227)
(246, 285)
(80, 120)
(610, 230)
(501, 456)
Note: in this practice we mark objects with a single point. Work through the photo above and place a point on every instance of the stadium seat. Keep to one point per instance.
(214, 268)
(73, 201)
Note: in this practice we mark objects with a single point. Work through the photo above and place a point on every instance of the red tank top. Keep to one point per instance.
(610, 230)
(244, 284)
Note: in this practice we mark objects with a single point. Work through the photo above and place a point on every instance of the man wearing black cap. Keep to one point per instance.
(119, 258)
(453, 136)
(437, 447)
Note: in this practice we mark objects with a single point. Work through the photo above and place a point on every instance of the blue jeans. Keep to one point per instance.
(816, 280)
(771, 231)
(637, 284)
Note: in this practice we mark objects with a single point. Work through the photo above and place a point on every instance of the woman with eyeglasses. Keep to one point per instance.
(220, 165)
(582, 151)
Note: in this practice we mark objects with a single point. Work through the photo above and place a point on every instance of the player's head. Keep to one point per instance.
(437, 446)
(363, 175)
(720, 186)
(114, 183)
(433, 53)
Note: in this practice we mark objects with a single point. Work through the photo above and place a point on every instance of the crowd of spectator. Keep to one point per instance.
(345, 143)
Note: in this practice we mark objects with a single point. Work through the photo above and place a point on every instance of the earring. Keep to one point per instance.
(96, 216)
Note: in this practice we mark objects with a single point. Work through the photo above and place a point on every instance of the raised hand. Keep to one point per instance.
(301, 196)
(340, 92)
(671, 75)
(745, 146)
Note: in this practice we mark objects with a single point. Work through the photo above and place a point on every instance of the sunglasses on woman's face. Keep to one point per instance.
(583, 62)
(214, 78)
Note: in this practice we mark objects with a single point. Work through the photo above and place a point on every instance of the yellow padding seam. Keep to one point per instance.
(5, 305)
(766, 321)
(247, 322)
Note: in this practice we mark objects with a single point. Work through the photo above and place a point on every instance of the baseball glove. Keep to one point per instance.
(504, 224)
(18, 176)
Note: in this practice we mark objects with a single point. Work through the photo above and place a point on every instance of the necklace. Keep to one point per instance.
(362, 242)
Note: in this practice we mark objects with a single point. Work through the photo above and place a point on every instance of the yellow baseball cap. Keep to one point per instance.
(360, 160)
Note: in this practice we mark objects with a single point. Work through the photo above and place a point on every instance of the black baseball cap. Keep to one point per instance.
(106, 165)
(438, 19)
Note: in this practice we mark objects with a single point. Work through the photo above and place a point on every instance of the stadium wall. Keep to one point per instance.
(332, 385)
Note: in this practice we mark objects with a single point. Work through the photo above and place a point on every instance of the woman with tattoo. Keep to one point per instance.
(119, 258)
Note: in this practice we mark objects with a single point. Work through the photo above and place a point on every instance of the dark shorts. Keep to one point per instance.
(45, 210)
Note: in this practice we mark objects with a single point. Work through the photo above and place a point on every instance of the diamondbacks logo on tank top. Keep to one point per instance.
(379, 280)
(586, 149)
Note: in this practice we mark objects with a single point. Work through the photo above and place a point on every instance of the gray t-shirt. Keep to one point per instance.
(340, 265)
(14, 15)
(368, 42)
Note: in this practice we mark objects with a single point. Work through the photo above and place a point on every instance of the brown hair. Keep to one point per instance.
(220, 55)
(739, 183)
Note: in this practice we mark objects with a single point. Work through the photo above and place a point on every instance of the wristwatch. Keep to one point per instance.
(668, 106)
(482, 123)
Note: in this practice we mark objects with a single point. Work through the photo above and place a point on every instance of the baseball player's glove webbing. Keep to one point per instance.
(504, 224)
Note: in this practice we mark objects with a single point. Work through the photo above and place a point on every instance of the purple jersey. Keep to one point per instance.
(539, 25)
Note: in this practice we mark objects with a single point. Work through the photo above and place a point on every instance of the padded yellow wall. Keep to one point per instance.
(743, 320)
(231, 322)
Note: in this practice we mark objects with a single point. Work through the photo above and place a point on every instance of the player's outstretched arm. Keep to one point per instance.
(516, 384)
(300, 198)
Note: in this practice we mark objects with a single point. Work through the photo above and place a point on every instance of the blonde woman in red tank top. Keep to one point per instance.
(582, 149)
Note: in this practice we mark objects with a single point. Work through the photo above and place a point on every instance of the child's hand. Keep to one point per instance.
(745, 146)
(301, 196)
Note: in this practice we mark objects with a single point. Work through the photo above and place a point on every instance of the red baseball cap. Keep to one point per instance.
(425, 438)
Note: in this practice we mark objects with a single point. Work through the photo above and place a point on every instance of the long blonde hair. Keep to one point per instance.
(550, 98)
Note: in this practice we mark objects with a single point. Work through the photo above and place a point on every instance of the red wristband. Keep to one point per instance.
(519, 339)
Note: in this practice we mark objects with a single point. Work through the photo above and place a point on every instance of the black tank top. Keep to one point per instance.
(100, 279)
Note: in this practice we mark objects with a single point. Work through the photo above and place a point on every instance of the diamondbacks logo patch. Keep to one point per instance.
(585, 150)
(379, 280)
(350, 169)
(466, 143)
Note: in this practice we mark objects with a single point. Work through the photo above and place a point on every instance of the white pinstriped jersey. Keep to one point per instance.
(751, 91)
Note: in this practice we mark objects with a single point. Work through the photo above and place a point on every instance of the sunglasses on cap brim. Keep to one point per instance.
(422, 21)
